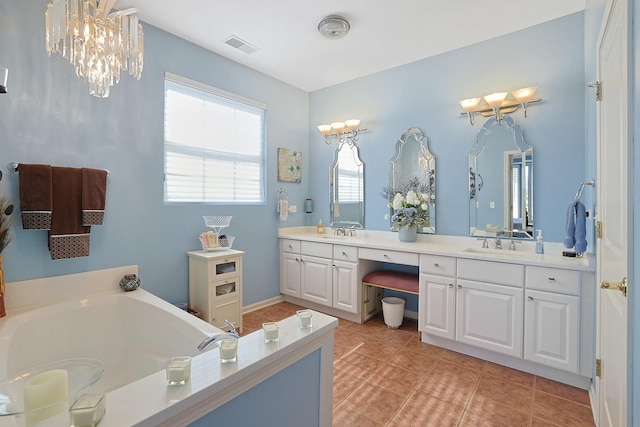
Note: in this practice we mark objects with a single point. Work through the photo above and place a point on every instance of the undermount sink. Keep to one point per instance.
(506, 253)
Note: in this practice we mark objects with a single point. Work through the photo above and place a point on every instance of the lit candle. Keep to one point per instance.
(46, 395)
(178, 370)
(88, 410)
(304, 318)
(270, 331)
(228, 350)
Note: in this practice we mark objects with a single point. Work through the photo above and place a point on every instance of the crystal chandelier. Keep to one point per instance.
(98, 44)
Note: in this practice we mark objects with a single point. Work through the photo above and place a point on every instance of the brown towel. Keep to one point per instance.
(94, 190)
(68, 238)
(35, 196)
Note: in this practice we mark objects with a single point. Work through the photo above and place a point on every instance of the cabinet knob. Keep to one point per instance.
(297, 260)
(290, 247)
(386, 256)
(344, 254)
(529, 298)
(436, 265)
(459, 286)
(552, 279)
(450, 285)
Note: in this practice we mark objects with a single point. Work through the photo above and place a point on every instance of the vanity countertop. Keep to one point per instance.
(456, 246)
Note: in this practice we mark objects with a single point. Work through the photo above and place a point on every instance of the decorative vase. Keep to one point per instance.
(130, 282)
(408, 233)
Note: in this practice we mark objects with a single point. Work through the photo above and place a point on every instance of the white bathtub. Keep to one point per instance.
(85, 315)
(133, 333)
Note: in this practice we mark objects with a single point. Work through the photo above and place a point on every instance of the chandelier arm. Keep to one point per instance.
(105, 6)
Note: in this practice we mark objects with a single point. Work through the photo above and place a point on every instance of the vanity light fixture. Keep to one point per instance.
(347, 131)
(499, 103)
(4, 74)
(97, 42)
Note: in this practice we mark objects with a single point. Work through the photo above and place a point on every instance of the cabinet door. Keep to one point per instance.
(345, 286)
(290, 274)
(551, 329)
(316, 280)
(437, 306)
(225, 308)
(490, 316)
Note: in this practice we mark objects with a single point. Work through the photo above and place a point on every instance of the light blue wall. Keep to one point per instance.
(49, 117)
(425, 94)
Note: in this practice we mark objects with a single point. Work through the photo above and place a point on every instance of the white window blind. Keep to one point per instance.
(213, 144)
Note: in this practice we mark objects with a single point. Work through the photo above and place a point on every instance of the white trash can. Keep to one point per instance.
(393, 311)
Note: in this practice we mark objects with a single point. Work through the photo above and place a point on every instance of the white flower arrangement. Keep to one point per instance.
(410, 204)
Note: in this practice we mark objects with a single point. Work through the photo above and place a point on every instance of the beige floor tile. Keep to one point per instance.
(414, 360)
(359, 365)
(505, 392)
(346, 417)
(564, 412)
(395, 379)
(563, 390)
(419, 413)
(483, 412)
(464, 360)
(377, 403)
(343, 384)
(513, 375)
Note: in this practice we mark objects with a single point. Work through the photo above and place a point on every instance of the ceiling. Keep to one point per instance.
(383, 36)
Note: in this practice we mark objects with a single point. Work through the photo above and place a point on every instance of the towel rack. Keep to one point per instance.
(282, 196)
(581, 189)
(13, 167)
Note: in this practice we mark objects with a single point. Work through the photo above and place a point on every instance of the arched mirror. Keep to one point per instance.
(501, 182)
(346, 187)
(413, 167)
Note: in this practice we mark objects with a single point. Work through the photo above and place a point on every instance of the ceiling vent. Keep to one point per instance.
(240, 44)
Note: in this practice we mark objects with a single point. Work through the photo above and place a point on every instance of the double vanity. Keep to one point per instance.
(517, 308)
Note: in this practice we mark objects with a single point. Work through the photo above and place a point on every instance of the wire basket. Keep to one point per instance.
(226, 241)
(217, 221)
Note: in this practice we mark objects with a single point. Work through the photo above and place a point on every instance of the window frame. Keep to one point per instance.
(228, 96)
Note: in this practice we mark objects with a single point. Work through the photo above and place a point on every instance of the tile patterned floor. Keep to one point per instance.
(387, 377)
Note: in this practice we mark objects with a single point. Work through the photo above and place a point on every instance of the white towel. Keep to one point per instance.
(283, 208)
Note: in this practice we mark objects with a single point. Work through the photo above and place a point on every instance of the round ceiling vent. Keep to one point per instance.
(334, 27)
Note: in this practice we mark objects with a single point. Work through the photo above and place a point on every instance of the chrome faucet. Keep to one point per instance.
(498, 243)
(213, 338)
(485, 244)
(339, 232)
(512, 245)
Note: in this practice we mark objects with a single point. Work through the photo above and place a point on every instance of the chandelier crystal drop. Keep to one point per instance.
(99, 45)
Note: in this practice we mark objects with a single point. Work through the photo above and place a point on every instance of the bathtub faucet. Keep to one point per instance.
(213, 338)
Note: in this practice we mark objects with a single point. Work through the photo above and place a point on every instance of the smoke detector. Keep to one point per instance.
(334, 27)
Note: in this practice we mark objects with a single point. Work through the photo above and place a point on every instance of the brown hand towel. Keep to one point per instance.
(35, 196)
(94, 190)
(68, 238)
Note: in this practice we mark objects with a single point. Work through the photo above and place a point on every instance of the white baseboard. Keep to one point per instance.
(262, 304)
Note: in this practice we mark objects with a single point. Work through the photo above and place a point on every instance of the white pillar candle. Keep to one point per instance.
(45, 395)
(228, 350)
(88, 410)
(178, 370)
(270, 331)
(304, 318)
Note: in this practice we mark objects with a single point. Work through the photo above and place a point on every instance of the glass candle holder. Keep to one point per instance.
(270, 330)
(178, 370)
(88, 410)
(228, 349)
(304, 319)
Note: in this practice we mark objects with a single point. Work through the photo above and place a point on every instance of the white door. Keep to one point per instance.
(437, 306)
(490, 316)
(345, 286)
(316, 280)
(614, 164)
(551, 329)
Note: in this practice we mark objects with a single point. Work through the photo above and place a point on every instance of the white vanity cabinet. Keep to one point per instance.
(552, 317)
(290, 267)
(345, 278)
(437, 296)
(215, 286)
(489, 311)
(322, 273)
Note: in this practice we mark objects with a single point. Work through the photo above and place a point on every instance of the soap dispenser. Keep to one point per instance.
(320, 227)
(539, 243)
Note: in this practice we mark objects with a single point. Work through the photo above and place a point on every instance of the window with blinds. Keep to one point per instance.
(214, 145)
